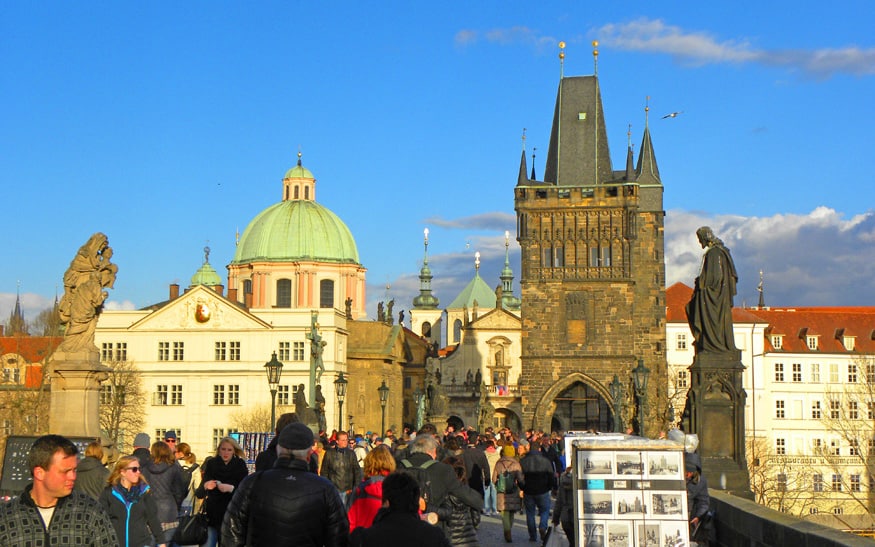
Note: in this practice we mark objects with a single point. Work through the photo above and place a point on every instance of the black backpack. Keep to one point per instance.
(186, 476)
(420, 473)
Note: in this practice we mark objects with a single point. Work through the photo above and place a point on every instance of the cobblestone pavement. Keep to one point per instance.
(491, 534)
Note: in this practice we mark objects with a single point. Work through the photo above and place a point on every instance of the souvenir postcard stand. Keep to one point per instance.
(629, 492)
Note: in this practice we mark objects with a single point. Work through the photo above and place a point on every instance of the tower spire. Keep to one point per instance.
(533, 163)
(762, 303)
(425, 300)
(522, 178)
(647, 170)
(508, 300)
(630, 162)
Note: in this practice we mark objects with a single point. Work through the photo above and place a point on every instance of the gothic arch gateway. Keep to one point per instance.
(576, 402)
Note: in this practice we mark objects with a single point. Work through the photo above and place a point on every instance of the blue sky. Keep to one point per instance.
(168, 126)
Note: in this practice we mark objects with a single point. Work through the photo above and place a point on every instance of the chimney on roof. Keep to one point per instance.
(219, 289)
(174, 291)
(247, 300)
(232, 295)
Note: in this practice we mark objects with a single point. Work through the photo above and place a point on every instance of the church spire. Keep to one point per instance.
(16, 323)
(647, 170)
(630, 162)
(762, 303)
(425, 300)
(522, 178)
(508, 300)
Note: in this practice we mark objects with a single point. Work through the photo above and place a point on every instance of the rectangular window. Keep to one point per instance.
(779, 372)
(218, 435)
(285, 351)
(872, 450)
(855, 483)
(817, 446)
(683, 378)
(815, 372)
(836, 483)
(835, 410)
(106, 351)
(811, 341)
(559, 257)
(780, 410)
(176, 394)
(221, 351)
(838, 510)
(781, 482)
(849, 342)
(8, 427)
(178, 351)
(121, 351)
(871, 409)
(797, 372)
(833, 373)
(163, 351)
(853, 410)
(547, 257)
(835, 448)
(780, 447)
(297, 351)
(818, 482)
(852, 373)
(234, 351)
(218, 395)
(233, 394)
(854, 447)
(105, 394)
(777, 341)
(682, 341)
(870, 373)
(160, 395)
(282, 395)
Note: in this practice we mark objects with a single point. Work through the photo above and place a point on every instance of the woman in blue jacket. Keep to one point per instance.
(131, 507)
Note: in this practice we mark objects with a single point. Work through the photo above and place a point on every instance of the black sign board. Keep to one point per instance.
(16, 474)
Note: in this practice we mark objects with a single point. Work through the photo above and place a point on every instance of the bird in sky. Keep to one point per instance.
(673, 114)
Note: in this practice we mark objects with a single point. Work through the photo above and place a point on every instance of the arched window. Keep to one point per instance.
(297, 191)
(457, 331)
(499, 357)
(284, 293)
(326, 293)
(426, 329)
(306, 192)
(247, 286)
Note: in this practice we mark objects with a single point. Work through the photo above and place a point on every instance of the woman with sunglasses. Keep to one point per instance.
(131, 507)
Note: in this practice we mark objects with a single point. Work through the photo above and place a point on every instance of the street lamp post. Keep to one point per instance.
(618, 394)
(417, 400)
(274, 370)
(384, 396)
(640, 375)
(340, 390)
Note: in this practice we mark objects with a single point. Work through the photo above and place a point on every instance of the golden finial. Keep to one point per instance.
(646, 111)
(595, 56)
(561, 59)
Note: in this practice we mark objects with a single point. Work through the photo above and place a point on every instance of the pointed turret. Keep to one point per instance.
(425, 300)
(16, 323)
(630, 166)
(508, 300)
(648, 172)
(522, 179)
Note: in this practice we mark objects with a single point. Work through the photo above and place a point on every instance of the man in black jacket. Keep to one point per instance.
(540, 479)
(286, 506)
(340, 466)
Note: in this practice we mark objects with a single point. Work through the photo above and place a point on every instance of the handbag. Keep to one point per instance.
(192, 529)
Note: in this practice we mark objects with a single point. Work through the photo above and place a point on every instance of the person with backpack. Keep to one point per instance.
(191, 477)
(367, 498)
(436, 479)
(507, 475)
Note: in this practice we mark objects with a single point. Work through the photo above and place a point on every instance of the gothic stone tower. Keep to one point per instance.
(593, 273)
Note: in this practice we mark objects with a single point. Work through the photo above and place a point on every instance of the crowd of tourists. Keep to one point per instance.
(430, 487)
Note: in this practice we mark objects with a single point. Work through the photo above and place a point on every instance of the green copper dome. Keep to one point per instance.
(296, 230)
(476, 290)
(298, 172)
(206, 275)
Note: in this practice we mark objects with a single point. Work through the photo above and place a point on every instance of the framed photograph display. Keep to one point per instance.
(630, 492)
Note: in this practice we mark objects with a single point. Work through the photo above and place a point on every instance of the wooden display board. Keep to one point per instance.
(629, 492)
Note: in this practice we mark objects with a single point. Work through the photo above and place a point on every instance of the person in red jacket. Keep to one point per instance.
(367, 498)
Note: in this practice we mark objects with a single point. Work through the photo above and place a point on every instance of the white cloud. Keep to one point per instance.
(125, 305)
(513, 36)
(700, 48)
(31, 305)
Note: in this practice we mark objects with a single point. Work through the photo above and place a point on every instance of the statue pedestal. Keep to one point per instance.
(715, 412)
(75, 381)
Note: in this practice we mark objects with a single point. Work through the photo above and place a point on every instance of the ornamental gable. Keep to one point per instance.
(199, 309)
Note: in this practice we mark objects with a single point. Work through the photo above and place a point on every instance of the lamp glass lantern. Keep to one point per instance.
(384, 397)
(640, 375)
(274, 369)
(340, 390)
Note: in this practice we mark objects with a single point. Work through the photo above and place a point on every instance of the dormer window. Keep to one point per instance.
(777, 341)
(811, 342)
(849, 342)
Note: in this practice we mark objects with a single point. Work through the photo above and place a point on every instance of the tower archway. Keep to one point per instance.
(577, 402)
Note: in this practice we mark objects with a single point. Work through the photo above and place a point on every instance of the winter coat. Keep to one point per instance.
(398, 528)
(443, 482)
(460, 519)
(188, 502)
(341, 467)
(698, 499)
(365, 500)
(286, 506)
(563, 511)
(91, 476)
(77, 520)
(509, 502)
(133, 514)
(168, 490)
(477, 468)
(539, 475)
(217, 502)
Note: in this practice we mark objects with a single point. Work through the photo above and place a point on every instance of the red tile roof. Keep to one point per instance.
(33, 349)
(829, 323)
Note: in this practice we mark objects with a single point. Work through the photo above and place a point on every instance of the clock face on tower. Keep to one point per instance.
(202, 312)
